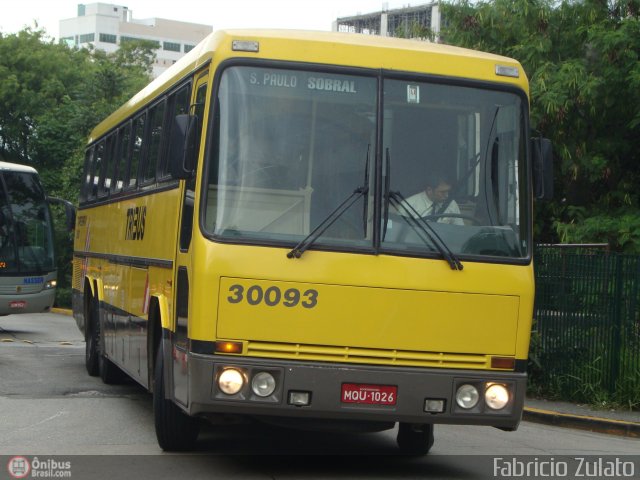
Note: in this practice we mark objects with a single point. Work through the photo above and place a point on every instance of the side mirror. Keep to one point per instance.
(69, 211)
(182, 146)
(542, 159)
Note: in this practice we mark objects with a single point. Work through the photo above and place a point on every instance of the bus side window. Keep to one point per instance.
(178, 104)
(98, 158)
(186, 228)
(199, 112)
(136, 151)
(105, 175)
(154, 155)
(121, 154)
(86, 184)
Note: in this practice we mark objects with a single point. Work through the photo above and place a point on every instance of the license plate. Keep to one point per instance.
(18, 304)
(369, 394)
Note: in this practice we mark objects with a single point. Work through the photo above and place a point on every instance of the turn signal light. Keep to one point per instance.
(507, 363)
(228, 347)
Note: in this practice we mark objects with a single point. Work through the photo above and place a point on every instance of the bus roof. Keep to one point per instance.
(328, 48)
(16, 167)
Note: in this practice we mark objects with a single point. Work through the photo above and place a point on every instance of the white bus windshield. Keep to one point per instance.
(292, 145)
(26, 240)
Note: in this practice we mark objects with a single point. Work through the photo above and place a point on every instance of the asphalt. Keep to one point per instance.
(566, 414)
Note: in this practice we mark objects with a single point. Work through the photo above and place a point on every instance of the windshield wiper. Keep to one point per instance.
(387, 183)
(307, 241)
(414, 219)
(460, 183)
(365, 211)
(420, 225)
(322, 227)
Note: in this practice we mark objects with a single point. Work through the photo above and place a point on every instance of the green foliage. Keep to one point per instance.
(51, 96)
(583, 62)
(415, 30)
(621, 231)
(585, 345)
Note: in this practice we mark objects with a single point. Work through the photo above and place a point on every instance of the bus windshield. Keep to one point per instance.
(26, 240)
(290, 146)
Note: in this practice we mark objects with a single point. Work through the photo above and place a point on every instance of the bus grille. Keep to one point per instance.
(78, 274)
(24, 289)
(366, 355)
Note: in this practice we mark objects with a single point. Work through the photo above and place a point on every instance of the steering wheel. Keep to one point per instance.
(438, 216)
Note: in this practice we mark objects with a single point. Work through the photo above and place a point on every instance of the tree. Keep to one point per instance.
(582, 59)
(51, 96)
(35, 76)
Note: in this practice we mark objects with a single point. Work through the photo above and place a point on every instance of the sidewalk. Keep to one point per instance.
(566, 414)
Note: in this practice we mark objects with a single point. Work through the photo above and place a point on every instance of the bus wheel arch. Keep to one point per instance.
(175, 430)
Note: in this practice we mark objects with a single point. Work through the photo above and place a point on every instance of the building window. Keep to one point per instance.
(124, 39)
(107, 38)
(171, 46)
(87, 37)
(188, 48)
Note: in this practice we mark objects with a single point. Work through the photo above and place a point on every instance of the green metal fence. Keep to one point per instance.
(586, 337)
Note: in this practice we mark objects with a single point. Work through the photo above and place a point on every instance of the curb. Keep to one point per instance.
(582, 422)
(62, 311)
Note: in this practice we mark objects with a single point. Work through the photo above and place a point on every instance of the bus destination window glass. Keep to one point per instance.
(456, 159)
(290, 147)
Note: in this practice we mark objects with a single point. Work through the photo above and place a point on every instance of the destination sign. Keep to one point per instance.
(279, 79)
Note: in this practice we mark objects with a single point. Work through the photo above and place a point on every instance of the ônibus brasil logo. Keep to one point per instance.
(19, 467)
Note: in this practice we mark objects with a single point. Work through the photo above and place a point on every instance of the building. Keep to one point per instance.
(106, 26)
(405, 22)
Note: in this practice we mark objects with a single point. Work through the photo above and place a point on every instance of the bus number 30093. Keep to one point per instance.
(272, 296)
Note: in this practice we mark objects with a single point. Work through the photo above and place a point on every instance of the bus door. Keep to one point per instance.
(182, 270)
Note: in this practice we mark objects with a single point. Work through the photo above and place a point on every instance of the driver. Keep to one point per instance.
(434, 198)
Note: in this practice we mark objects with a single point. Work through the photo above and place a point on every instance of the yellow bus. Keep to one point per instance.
(315, 228)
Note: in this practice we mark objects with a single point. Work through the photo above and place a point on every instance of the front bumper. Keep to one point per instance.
(324, 382)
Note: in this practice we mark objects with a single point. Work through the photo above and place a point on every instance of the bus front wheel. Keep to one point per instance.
(415, 439)
(175, 430)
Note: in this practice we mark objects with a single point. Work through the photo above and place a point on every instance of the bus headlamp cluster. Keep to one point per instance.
(496, 396)
(232, 380)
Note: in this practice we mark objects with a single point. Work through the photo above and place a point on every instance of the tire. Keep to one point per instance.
(415, 439)
(96, 362)
(92, 336)
(175, 431)
(109, 372)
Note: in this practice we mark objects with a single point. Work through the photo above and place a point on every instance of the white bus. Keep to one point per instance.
(28, 273)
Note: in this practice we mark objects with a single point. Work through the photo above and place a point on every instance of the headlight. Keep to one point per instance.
(496, 396)
(467, 396)
(50, 284)
(231, 381)
(263, 384)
